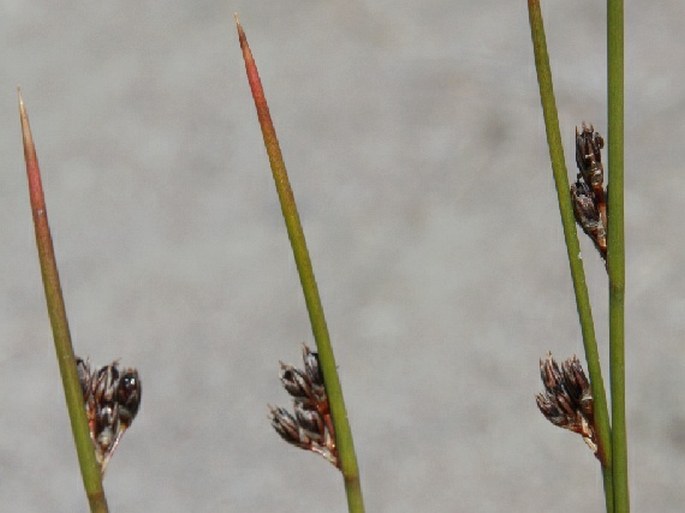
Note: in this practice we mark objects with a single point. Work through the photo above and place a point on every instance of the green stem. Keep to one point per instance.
(343, 433)
(560, 173)
(90, 469)
(616, 253)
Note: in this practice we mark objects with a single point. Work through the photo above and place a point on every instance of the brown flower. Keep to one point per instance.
(587, 193)
(567, 399)
(311, 427)
(111, 399)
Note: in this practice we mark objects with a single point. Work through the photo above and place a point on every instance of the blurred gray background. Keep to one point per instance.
(414, 139)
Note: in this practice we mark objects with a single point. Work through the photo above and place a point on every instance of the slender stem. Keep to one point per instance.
(343, 433)
(616, 254)
(560, 173)
(90, 469)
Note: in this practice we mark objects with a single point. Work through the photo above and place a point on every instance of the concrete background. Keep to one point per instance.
(414, 139)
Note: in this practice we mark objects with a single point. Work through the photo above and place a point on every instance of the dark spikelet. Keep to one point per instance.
(313, 372)
(588, 155)
(550, 374)
(311, 422)
(128, 395)
(550, 410)
(84, 376)
(587, 216)
(296, 383)
(285, 425)
(311, 365)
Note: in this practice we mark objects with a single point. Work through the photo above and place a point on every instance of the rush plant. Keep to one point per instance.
(345, 457)
(603, 222)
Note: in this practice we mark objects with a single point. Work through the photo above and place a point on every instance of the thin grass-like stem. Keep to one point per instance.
(343, 433)
(616, 253)
(556, 152)
(90, 469)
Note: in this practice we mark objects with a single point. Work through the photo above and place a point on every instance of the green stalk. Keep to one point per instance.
(90, 469)
(616, 254)
(556, 153)
(343, 433)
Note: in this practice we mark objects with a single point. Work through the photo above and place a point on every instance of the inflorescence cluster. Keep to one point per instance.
(111, 399)
(567, 399)
(310, 427)
(587, 193)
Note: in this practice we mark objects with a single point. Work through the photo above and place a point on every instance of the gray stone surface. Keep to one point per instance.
(414, 139)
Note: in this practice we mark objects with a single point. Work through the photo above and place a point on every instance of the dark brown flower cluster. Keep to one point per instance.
(587, 193)
(310, 427)
(112, 399)
(567, 399)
